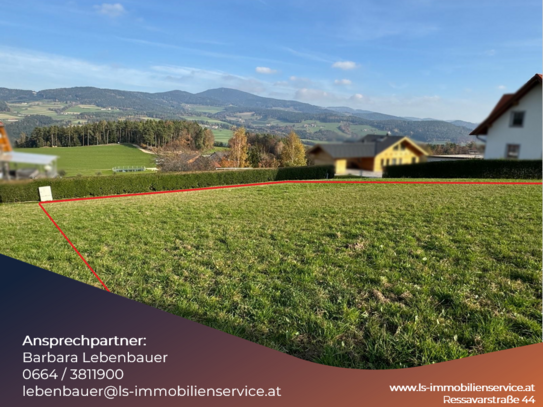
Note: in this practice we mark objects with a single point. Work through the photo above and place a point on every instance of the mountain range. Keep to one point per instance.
(166, 104)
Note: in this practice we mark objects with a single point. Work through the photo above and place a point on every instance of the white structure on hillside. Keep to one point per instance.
(15, 166)
(513, 129)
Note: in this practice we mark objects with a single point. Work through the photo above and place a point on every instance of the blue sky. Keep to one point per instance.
(425, 58)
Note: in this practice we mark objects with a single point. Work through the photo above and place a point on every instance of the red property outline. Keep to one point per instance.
(254, 185)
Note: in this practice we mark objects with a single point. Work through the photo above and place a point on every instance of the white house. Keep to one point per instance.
(513, 129)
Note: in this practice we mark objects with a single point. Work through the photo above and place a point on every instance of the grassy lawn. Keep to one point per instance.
(222, 135)
(364, 276)
(43, 108)
(202, 119)
(89, 160)
(206, 109)
(88, 109)
(8, 115)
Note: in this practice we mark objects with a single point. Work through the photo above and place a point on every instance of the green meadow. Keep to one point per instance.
(222, 135)
(371, 276)
(90, 160)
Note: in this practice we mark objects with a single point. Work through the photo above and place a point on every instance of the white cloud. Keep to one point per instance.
(357, 97)
(210, 79)
(345, 65)
(111, 10)
(307, 94)
(502, 87)
(299, 81)
(29, 69)
(281, 83)
(316, 96)
(343, 82)
(244, 84)
(265, 70)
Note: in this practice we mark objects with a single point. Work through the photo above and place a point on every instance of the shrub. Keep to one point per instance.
(79, 187)
(504, 169)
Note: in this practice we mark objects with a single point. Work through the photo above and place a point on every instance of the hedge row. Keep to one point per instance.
(65, 188)
(504, 169)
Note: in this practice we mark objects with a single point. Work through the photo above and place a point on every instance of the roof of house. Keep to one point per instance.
(26, 158)
(505, 103)
(381, 142)
(368, 146)
(218, 155)
(347, 150)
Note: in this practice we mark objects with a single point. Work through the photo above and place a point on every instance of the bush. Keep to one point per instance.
(66, 188)
(504, 169)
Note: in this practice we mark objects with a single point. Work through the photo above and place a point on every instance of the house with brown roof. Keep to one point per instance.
(371, 153)
(513, 129)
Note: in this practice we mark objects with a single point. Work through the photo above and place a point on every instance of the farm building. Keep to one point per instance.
(513, 129)
(371, 153)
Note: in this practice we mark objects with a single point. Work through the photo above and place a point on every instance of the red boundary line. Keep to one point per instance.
(73, 247)
(254, 185)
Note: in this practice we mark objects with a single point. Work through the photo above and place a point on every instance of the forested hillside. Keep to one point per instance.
(239, 98)
(26, 125)
(18, 95)
(4, 107)
(221, 109)
(426, 131)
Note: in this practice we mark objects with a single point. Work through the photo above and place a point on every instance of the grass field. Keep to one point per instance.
(365, 276)
(20, 110)
(360, 130)
(222, 135)
(88, 109)
(206, 109)
(92, 159)
(203, 119)
(42, 108)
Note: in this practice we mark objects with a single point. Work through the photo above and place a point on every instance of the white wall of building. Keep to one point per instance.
(529, 136)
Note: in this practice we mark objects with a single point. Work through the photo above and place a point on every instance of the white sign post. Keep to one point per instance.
(45, 194)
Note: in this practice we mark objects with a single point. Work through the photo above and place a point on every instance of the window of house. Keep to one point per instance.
(512, 150)
(396, 147)
(517, 119)
(388, 161)
(382, 162)
(402, 147)
(393, 161)
(400, 161)
(413, 160)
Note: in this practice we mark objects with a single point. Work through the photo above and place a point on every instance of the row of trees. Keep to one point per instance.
(153, 133)
(264, 151)
(246, 150)
(453, 148)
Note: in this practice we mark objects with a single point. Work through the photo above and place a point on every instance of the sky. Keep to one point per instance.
(444, 59)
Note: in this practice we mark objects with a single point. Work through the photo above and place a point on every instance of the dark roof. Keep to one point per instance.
(368, 146)
(506, 102)
(348, 150)
(382, 142)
